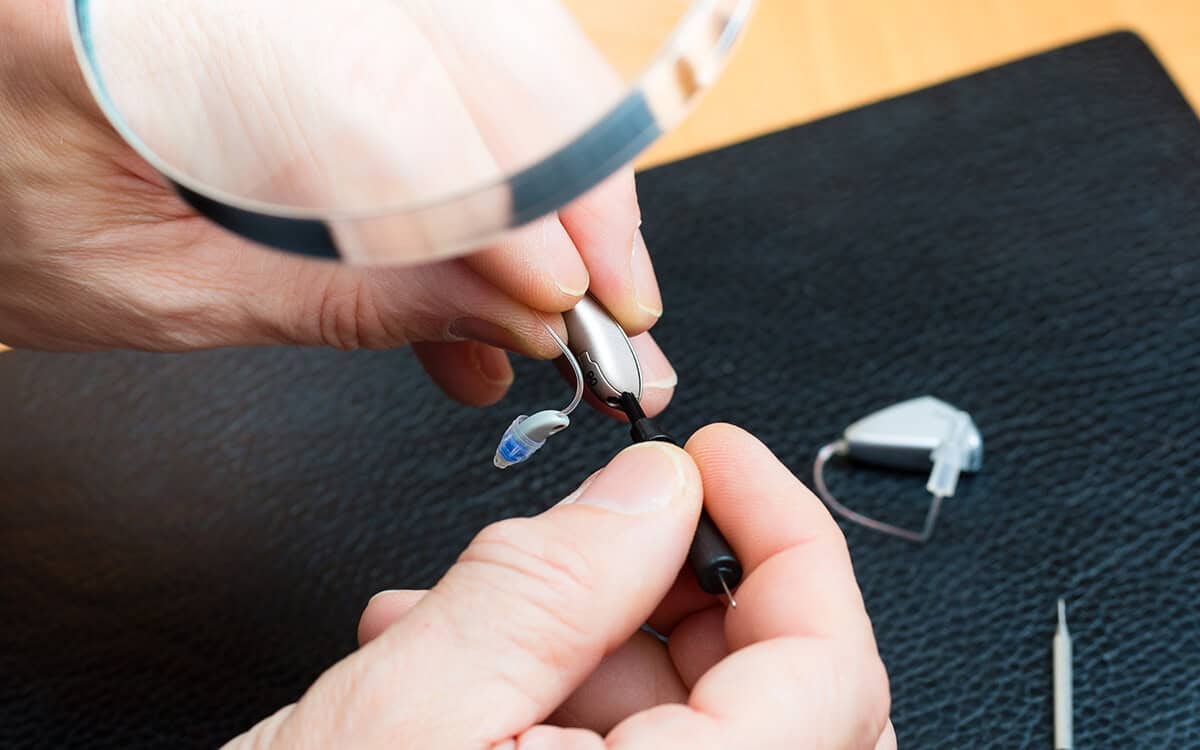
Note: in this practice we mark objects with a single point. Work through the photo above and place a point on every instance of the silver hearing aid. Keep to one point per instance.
(601, 357)
(920, 434)
(610, 367)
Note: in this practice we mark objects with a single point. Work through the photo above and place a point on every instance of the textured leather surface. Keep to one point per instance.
(187, 541)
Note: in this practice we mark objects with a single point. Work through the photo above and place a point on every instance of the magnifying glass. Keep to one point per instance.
(385, 131)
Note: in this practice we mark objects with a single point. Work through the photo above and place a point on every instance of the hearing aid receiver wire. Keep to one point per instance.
(841, 448)
(574, 367)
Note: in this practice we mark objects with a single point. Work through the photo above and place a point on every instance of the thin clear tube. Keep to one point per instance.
(574, 367)
(840, 448)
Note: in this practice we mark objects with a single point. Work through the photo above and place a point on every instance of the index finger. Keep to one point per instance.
(804, 667)
(800, 634)
(799, 578)
(798, 575)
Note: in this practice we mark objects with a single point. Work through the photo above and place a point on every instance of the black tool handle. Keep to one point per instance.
(712, 559)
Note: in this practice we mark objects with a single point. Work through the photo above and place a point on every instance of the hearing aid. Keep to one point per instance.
(606, 357)
(920, 434)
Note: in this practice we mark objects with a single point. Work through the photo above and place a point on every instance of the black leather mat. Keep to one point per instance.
(187, 541)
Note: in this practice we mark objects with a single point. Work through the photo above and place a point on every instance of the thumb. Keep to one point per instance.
(523, 617)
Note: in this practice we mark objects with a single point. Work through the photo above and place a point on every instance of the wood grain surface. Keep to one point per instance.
(803, 59)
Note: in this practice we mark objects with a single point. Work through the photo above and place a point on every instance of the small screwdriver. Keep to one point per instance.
(716, 567)
(1064, 729)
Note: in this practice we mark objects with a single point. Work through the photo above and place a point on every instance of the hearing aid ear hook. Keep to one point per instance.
(527, 434)
(909, 435)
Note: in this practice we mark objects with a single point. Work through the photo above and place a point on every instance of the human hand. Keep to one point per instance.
(97, 252)
(531, 641)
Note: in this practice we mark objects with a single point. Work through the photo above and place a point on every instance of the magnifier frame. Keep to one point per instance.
(680, 71)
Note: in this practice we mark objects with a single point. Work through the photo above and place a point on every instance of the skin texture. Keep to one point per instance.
(96, 252)
(531, 641)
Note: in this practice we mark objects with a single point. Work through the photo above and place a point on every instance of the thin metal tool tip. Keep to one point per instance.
(728, 593)
(1064, 729)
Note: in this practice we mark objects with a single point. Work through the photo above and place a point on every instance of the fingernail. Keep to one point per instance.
(665, 383)
(645, 284)
(573, 290)
(482, 330)
(569, 273)
(492, 364)
(567, 270)
(656, 368)
(641, 479)
(385, 592)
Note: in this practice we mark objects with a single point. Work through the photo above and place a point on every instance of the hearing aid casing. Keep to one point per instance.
(907, 434)
(610, 367)
(910, 435)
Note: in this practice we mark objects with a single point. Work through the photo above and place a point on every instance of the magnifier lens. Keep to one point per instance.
(394, 130)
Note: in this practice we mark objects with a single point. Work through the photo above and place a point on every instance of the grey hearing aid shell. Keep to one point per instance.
(544, 424)
(605, 355)
(903, 436)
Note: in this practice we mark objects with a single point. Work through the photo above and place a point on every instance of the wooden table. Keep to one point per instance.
(803, 59)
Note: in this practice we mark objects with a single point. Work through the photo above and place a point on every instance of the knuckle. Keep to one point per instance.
(827, 533)
(613, 201)
(883, 691)
(837, 538)
(877, 700)
(346, 313)
(621, 190)
(337, 316)
(549, 577)
(538, 585)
